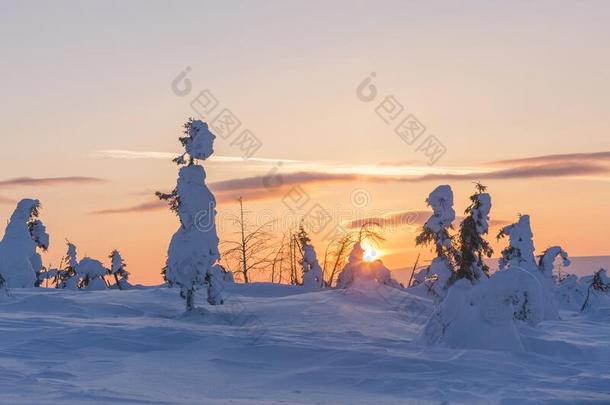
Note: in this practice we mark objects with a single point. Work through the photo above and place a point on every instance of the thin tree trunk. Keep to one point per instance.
(413, 272)
(190, 300)
(116, 279)
(243, 243)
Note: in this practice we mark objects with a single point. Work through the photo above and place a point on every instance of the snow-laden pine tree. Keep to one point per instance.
(19, 260)
(519, 257)
(472, 246)
(67, 276)
(193, 250)
(91, 273)
(313, 276)
(436, 232)
(117, 270)
(520, 249)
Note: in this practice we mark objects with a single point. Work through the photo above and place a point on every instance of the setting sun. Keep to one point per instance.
(370, 253)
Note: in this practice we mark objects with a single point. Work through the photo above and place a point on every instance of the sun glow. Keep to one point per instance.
(370, 253)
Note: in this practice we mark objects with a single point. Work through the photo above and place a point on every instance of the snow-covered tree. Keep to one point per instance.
(472, 246)
(436, 229)
(546, 263)
(312, 272)
(520, 250)
(598, 287)
(519, 255)
(348, 275)
(19, 260)
(313, 276)
(43, 276)
(436, 232)
(193, 250)
(67, 276)
(91, 273)
(117, 270)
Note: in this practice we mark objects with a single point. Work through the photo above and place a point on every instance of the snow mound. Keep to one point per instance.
(284, 345)
(571, 293)
(483, 316)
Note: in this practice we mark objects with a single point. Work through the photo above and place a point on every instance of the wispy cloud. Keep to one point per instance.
(603, 157)
(392, 220)
(226, 197)
(132, 155)
(408, 218)
(153, 205)
(300, 178)
(260, 187)
(135, 155)
(49, 181)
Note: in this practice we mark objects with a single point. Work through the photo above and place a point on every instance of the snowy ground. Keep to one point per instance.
(278, 344)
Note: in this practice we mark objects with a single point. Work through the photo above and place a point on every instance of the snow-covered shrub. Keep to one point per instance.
(91, 273)
(193, 250)
(520, 250)
(436, 231)
(117, 270)
(485, 315)
(313, 275)
(45, 276)
(214, 281)
(472, 245)
(546, 264)
(598, 290)
(19, 260)
(571, 293)
(358, 270)
(67, 277)
(520, 254)
(420, 275)
(434, 280)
